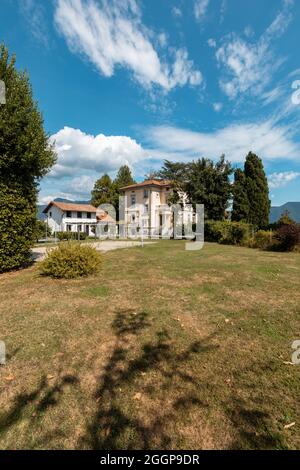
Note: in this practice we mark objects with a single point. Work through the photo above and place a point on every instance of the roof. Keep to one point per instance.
(68, 206)
(152, 182)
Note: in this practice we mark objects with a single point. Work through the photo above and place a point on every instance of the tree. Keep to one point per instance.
(25, 157)
(208, 183)
(177, 174)
(103, 191)
(240, 208)
(124, 177)
(285, 219)
(257, 191)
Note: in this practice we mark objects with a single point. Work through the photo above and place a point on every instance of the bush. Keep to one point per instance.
(17, 229)
(65, 236)
(231, 233)
(70, 260)
(289, 236)
(263, 239)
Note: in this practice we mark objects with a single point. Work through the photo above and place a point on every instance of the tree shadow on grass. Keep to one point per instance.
(119, 421)
(253, 417)
(41, 398)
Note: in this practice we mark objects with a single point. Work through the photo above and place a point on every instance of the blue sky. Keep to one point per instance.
(128, 81)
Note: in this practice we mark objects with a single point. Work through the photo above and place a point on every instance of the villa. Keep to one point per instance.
(146, 206)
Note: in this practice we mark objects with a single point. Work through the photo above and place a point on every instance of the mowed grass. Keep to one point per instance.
(165, 348)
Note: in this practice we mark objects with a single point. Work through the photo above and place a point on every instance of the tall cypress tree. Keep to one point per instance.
(25, 157)
(257, 191)
(240, 208)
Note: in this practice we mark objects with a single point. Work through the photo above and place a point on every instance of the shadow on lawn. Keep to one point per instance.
(42, 398)
(119, 421)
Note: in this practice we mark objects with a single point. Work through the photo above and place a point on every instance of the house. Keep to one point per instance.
(71, 217)
(146, 207)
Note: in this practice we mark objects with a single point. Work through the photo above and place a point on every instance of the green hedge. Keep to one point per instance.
(65, 236)
(226, 232)
(17, 229)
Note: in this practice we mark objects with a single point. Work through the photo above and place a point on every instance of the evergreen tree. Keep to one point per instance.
(240, 208)
(208, 183)
(25, 157)
(103, 191)
(124, 177)
(257, 191)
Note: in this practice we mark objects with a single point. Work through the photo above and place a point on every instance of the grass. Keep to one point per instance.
(164, 348)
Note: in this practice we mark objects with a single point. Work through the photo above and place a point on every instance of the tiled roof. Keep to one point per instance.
(68, 206)
(152, 182)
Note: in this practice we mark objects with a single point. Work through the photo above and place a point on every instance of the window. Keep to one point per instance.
(146, 208)
(133, 218)
(69, 228)
(69, 214)
(133, 199)
(145, 193)
(79, 215)
(88, 215)
(78, 228)
(50, 213)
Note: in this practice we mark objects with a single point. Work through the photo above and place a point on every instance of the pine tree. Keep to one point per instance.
(240, 208)
(25, 157)
(257, 191)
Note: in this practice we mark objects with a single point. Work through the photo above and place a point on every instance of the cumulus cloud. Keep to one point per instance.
(267, 140)
(279, 180)
(249, 65)
(111, 34)
(78, 152)
(200, 9)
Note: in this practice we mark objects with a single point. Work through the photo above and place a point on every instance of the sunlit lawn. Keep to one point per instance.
(165, 348)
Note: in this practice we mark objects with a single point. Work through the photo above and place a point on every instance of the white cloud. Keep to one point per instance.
(34, 15)
(111, 34)
(249, 66)
(200, 9)
(248, 31)
(176, 12)
(217, 107)
(267, 140)
(279, 180)
(78, 152)
(212, 42)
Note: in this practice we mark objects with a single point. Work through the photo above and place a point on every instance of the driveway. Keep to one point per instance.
(38, 253)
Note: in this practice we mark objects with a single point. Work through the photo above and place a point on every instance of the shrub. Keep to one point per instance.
(231, 233)
(17, 229)
(289, 236)
(65, 236)
(70, 260)
(263, 239)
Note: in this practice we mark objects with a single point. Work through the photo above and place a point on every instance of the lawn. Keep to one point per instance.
(165, 348)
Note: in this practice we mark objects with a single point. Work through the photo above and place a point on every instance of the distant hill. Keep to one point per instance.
(292, 207)
(41, 207)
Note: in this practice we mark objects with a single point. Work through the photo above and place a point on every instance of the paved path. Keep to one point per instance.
(39, 252)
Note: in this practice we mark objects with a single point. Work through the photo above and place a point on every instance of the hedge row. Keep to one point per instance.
(65, 236)
(285, 238)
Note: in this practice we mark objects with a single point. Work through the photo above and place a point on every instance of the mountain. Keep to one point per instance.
(292, 207)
